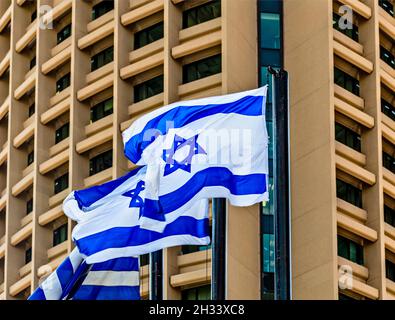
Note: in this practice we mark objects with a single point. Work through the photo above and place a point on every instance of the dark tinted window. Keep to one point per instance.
(144, 260)
(387, 57)
(61, 183)
(349, 250)
(202, 13)
(148, 88)
(387, 6)
(349, 193)
(60, 235)
(201, 69)
(388, 109)
(199, 293)
(33, 16)
(33, 63)
(32, 109)
(102, 8)
(102, 110)
(62, 133)
(102, 58)
(101, 162)
(352, 33)
(63, 83)
(390, 270)
(29, 206)
(148, 35)
(348, 137)
(28, 255)
(64, 34)
(389, 215)
(389, 162)
(30, 158)
(346, 81)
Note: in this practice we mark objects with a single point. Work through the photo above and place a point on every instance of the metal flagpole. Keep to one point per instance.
(281, 177)
(218, 273)
(156, 266)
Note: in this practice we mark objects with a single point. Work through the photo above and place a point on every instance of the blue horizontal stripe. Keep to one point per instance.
(183, 115)
(38, 294)
(87, 197)
(121, 237)
(210, 177)
(119, 264)
(107, 293)
(65, 273)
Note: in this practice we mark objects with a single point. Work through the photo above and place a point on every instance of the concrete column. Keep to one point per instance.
(308, 53)
(243, 259)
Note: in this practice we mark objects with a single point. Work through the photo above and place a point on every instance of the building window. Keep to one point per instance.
(198, 293)
(29, 206)
(102, 8)
(101, 162)
(62, 133)
(349, 193)
(390, 270)
(28, 255)
(387, 57)
(201, 69)
(60, 235)
(346, 81)
(63, 83)
(144, 259)
(342, 296)
(202, 13)
(101, 110)
(389, 162)
(32, 63)
(148, 35)
(349, 250)
(30, 158)
(102, 58)
(33, 16)
(61, 183)
(352, 33)
(64, 34)
(270, 37)
(389, 215)
(148, 88)
(387, 6)
(388, 109)
(32, 109)
(348, 137)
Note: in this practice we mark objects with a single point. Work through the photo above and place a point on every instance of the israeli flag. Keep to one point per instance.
(215, 147)
(109, 215)
(75, 279)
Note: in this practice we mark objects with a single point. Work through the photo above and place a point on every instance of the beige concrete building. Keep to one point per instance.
(75, 73)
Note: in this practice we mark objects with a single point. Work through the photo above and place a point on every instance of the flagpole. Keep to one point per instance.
(156, 267)
(282, 229)
(218, 273)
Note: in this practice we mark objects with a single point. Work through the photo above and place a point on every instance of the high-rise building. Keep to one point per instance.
(75, 73)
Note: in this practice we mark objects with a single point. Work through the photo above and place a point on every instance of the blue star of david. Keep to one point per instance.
(178, 143)
(136, 201)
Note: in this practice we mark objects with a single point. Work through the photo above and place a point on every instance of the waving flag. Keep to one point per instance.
(214, 147)
(109, 215)
(116, 279)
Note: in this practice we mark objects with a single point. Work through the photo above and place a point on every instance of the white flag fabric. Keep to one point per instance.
(215, 147)
(108, 221)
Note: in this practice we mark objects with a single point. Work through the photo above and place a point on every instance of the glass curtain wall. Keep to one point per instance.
(270, 54)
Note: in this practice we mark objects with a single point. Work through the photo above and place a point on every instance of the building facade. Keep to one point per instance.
(75, 73)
